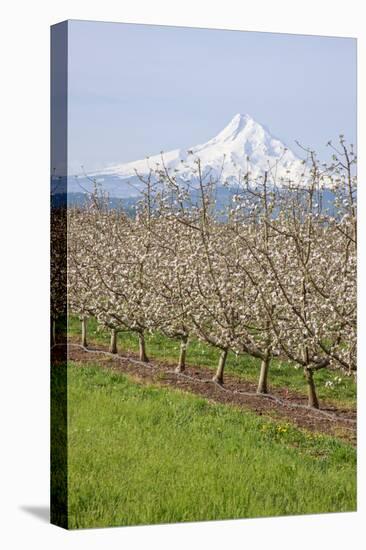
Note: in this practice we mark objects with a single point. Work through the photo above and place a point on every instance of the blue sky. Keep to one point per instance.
(135, 90)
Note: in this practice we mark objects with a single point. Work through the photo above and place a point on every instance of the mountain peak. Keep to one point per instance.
(239, 118)
(244, 145)
(240, 126)
(239, 121)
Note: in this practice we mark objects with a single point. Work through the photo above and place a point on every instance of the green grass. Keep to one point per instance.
(139, 454)
(199, 353)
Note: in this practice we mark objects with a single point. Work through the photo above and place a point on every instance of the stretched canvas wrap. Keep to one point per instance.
(203, 274)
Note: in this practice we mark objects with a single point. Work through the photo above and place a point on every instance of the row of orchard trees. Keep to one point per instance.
(271, 274)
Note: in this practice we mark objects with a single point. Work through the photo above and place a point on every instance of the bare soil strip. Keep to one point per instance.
(281, 405)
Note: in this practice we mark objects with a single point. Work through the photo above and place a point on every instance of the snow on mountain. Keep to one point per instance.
(243, 145)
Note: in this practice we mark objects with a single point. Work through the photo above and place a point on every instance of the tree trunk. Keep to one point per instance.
(312, 397)
(84, 341)
(182, 355)
(53, 332)
(219, 376)
(263, 376)
(142, 348)
(113, 343)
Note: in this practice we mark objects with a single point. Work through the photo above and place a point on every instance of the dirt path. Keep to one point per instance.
(282, 404)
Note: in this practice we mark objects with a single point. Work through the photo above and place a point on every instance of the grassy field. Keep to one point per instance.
(139, 454)
(281, 374)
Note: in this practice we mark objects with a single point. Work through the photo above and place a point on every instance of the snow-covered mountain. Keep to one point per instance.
(243, 145)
